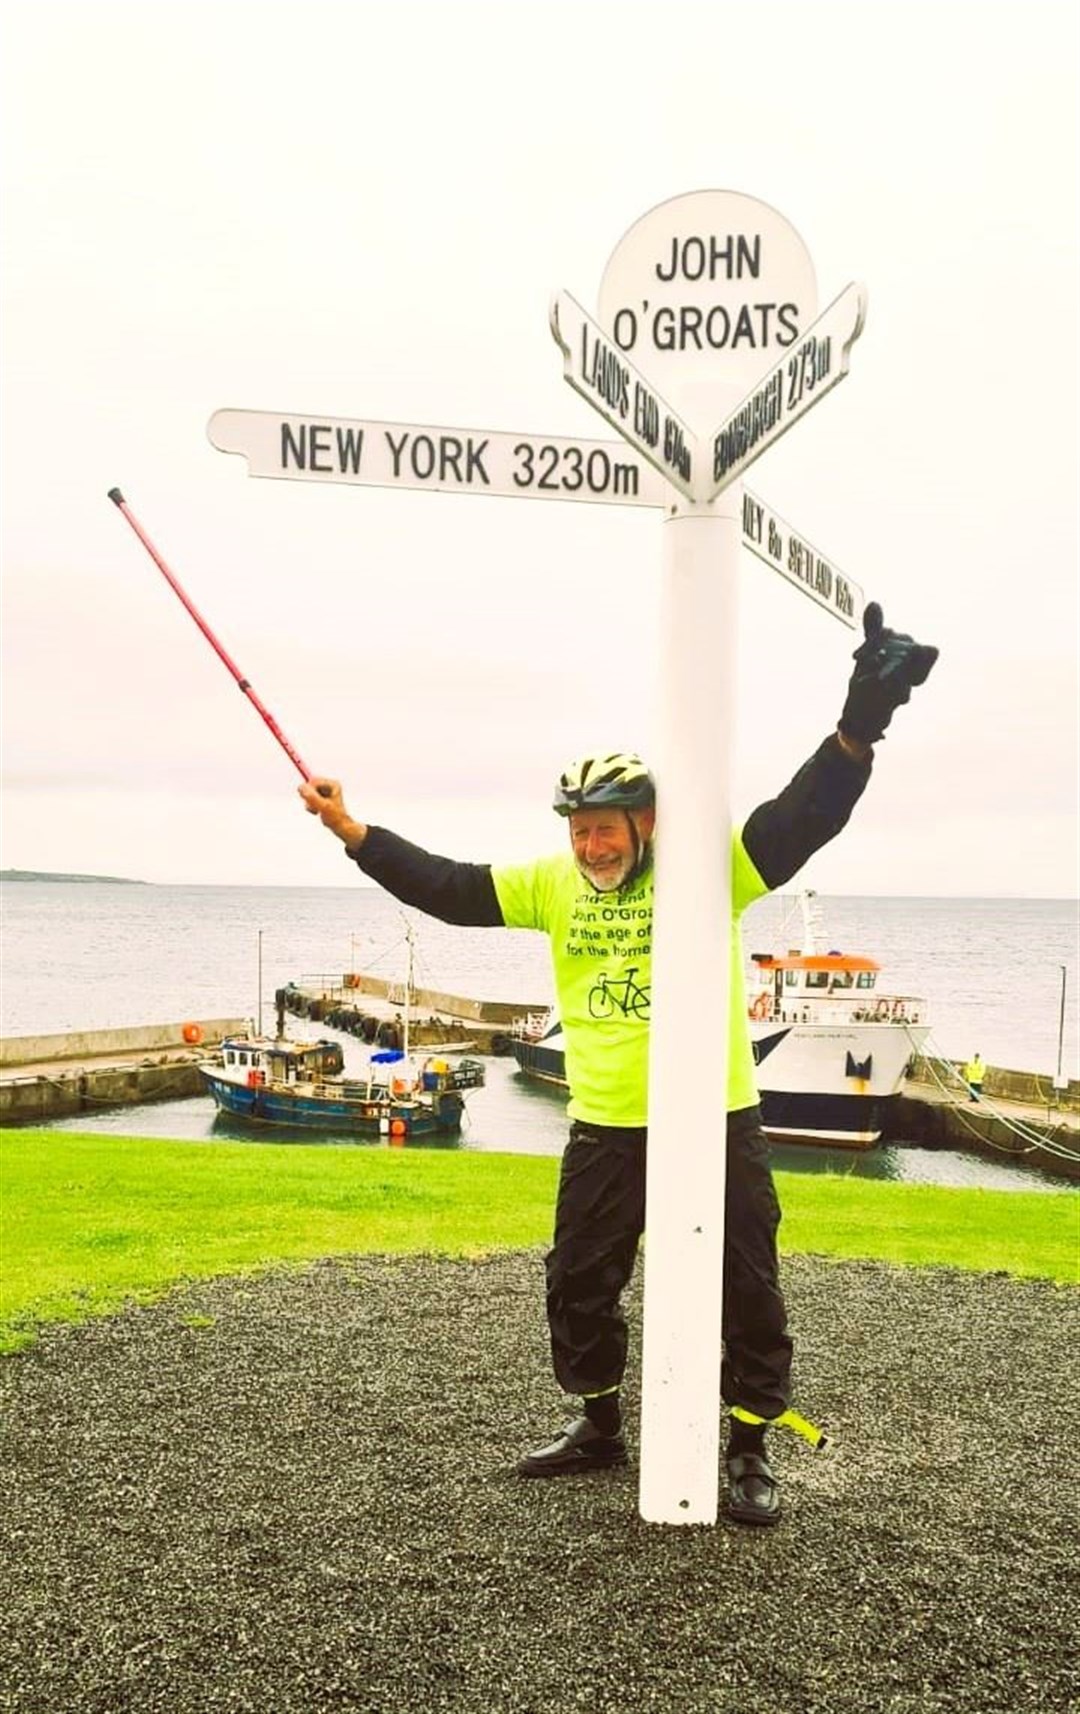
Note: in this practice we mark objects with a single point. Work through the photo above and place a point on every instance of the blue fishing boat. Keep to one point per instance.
(303, 1086)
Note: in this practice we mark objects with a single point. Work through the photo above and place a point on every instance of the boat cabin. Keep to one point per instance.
(255, 1060)
(823, 987)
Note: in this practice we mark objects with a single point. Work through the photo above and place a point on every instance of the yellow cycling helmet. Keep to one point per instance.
(620, 780)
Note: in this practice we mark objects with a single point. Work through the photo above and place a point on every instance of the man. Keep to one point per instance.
(595, 904)
(975, 1075)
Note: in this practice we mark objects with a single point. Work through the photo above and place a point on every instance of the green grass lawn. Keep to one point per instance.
(92, 1222)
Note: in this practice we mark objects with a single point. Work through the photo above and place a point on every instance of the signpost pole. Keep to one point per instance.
(686, 1170)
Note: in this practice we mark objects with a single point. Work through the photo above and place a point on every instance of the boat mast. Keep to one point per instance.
(408, 989)
(811, 922)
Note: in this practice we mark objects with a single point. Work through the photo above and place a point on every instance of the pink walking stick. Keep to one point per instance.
(118, 500)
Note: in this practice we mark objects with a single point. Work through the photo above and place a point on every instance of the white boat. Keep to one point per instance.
(830, 1048)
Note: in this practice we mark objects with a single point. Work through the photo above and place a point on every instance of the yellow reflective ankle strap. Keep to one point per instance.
(789, 1419)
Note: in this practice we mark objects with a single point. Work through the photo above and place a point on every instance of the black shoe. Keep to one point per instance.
(578, 1448)
(753, 1491)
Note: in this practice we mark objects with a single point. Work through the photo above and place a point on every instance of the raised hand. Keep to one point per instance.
(888, 666)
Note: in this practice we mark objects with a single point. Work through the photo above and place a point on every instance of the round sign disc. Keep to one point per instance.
(705, 293)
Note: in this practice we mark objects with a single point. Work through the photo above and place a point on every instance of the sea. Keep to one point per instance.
(998, 975)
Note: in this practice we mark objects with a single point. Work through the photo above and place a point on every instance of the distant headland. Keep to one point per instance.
(49, 875)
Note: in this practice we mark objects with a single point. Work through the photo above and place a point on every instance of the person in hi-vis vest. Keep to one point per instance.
(975, 1075)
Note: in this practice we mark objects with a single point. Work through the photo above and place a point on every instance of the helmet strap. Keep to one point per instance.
(641, 854)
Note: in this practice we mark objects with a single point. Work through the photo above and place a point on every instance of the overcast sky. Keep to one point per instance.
(362, 211)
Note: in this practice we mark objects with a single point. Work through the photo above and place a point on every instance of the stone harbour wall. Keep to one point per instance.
(97, 1044)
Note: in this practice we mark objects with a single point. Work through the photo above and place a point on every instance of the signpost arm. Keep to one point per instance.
(815, 365)
(687, 1157)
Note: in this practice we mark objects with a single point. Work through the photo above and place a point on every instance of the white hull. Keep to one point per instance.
(824, 1057)
(808, 1075)
(829, 1082)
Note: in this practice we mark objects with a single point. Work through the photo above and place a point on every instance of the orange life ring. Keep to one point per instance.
(760, 1007)
(192, 1033)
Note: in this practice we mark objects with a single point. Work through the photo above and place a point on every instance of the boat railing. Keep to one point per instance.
(465, 1074)
(892, 1008)
(341, 1092)
(837, 1008)
(530, 1026)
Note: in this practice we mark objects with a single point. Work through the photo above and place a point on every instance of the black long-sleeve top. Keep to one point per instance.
(779, 837)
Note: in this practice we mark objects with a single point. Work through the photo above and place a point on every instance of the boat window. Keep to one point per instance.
(243, 1058)
(867, 978)
(817, 978)
(230, 1057)
(791, 977)
(842, 979)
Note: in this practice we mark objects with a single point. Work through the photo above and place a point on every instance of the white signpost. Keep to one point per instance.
(714, 295)
(739, 302)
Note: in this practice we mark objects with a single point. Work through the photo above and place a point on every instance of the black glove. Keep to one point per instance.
(887, 667)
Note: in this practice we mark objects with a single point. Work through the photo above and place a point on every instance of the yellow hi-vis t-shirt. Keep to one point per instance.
(601, 950)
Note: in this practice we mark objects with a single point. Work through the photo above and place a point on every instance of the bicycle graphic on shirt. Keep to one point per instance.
(623, 994)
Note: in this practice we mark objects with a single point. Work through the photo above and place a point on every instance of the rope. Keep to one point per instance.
(378, 957)
(1031, 1138)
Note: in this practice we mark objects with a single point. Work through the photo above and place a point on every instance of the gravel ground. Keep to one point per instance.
(295, 1493)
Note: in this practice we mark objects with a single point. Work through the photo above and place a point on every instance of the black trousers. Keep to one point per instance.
(599, 1218)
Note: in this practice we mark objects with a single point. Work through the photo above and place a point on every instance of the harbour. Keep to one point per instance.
(108, 955)
(147, 1081)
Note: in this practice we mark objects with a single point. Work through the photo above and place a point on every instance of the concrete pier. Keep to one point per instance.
(55, 1076)
(436, 1018)
(1019, 1116)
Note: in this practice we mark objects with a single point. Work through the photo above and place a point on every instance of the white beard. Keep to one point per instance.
(607, 880)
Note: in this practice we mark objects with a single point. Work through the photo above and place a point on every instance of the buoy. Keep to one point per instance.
(192, 1033)
(397, 1128)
